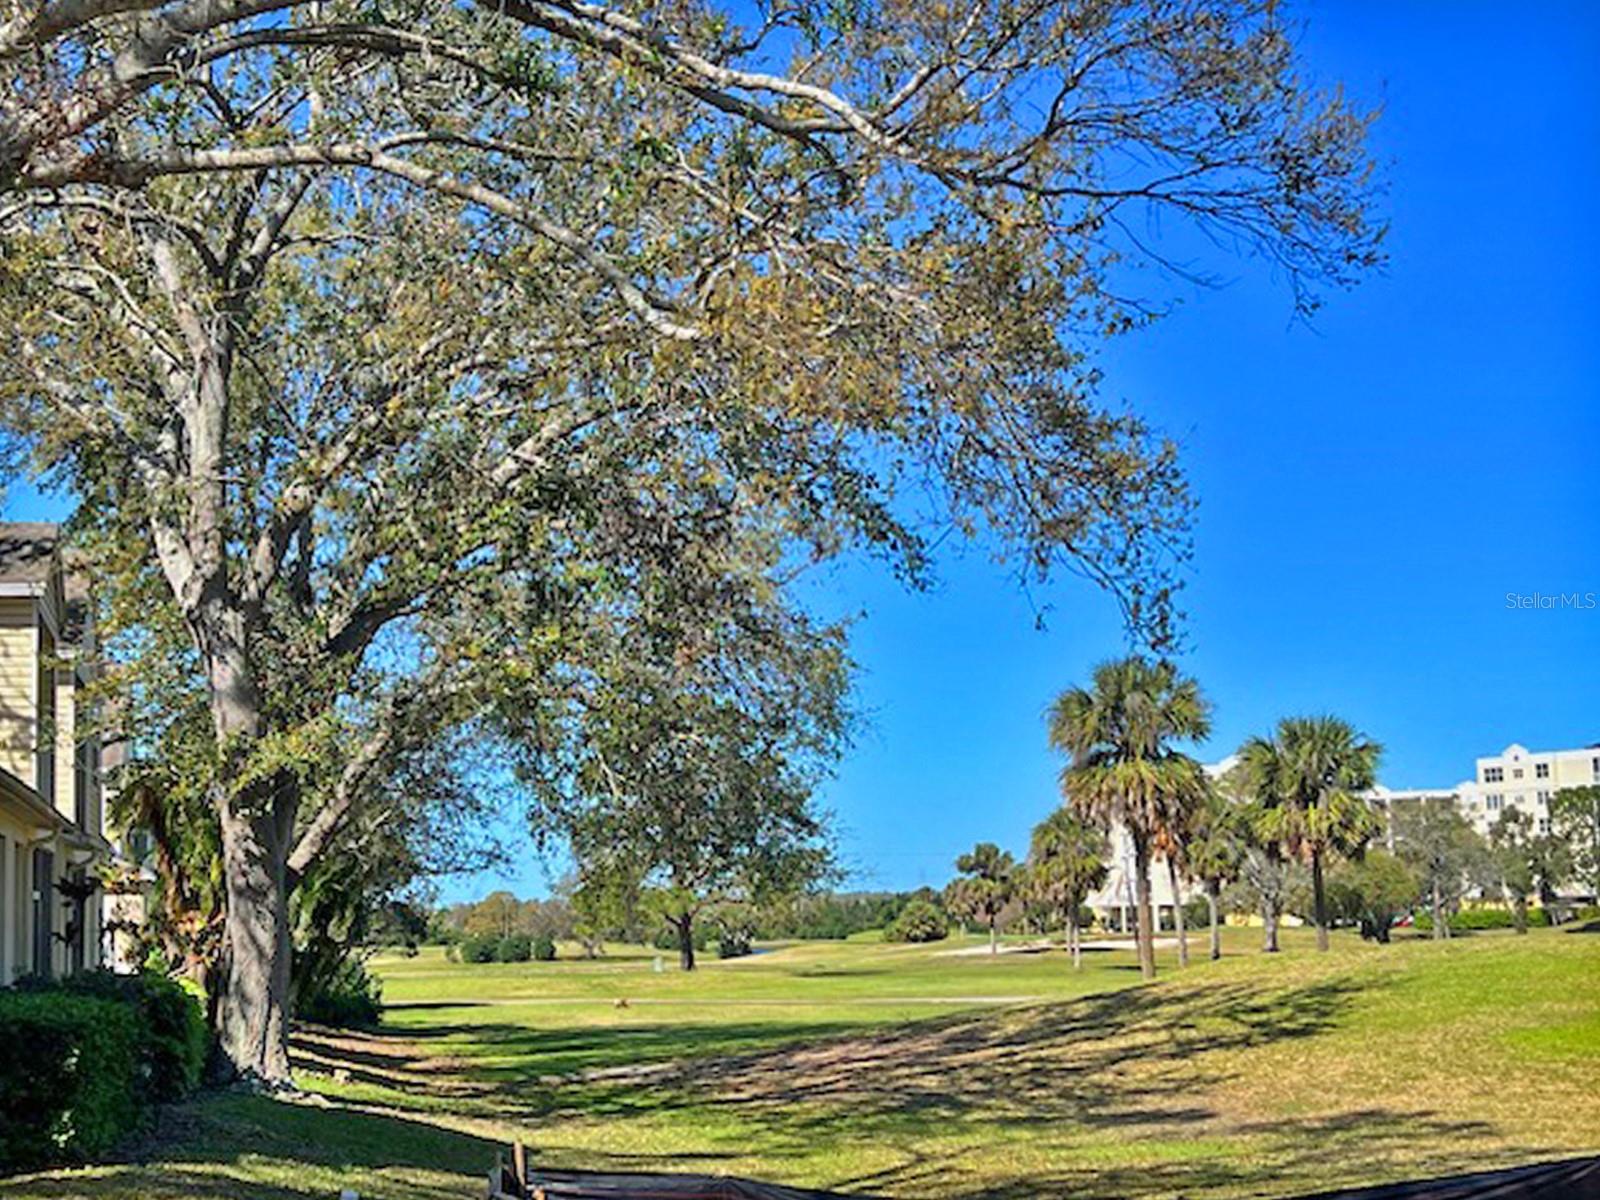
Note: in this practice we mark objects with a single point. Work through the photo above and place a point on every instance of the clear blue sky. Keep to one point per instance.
(1371, 487)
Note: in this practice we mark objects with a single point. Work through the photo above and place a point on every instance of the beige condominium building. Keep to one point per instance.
(1525, 780)
(51, 805)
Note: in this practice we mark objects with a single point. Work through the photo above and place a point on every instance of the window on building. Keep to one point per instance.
(1517, 774)
(44, 924)
(1594, 765)
(1544, 798)
(1493, 801)
(1541, 770)
(1494, 774)
(1544, 825)
(21, 906)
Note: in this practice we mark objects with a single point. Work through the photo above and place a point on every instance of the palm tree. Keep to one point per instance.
(1308, 777)
(1067, 861)
(987, 888)
(1122, 768)
(1214, 852)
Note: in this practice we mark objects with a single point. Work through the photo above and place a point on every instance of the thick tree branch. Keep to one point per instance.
(136, 172)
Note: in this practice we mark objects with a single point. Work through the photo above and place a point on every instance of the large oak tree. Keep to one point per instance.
(353, 322)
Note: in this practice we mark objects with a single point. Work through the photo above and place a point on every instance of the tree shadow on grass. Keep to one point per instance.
(1121, 1093)
(1119, 1058)
(1141, 1062)
(243, 1147)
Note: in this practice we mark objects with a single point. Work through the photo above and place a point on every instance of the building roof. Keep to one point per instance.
(27, 550)
(22, 799)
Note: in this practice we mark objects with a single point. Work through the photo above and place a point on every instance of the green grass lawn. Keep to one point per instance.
(909, 1072)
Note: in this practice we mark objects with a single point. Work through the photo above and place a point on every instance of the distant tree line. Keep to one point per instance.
(818, 916)
(1288, 831)
(502, 914)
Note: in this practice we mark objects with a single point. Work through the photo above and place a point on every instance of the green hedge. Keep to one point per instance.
(173, 1040)
(1470, 920)
(69, 1068)
(82, 1059)
(514, 948)
(479, 948)
(350, 999)
(919, 921)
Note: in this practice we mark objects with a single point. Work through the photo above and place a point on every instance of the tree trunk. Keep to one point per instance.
(256, 821)
(994, 937)
(1146, 925)
(1519, 913)
(1073, 942)
(1319, 900)
(253, 1008)
(685, 927)
(1216, 929)
(1269, 925)
(1441, 927)
(1177, 913)
(1547, 901)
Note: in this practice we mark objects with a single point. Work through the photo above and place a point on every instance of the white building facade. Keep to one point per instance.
(1523, 780)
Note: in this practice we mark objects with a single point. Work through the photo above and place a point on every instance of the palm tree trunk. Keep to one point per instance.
(1141, 888)
(1177, 913)
(1074, 940)
(994, 937)
(1319, 900)
(1216, 930)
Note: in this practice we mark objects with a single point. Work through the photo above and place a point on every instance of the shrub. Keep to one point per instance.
(173, 1040)
(514, 947)
(919, 921)
(734, 943)
(1471, 920)
(544, 949)
(479, 948)
(350, 998)
(69, 1076)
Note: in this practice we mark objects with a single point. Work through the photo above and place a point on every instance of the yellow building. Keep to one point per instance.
(51, 802)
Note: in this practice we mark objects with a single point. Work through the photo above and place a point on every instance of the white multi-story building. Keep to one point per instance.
(1525, 780)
